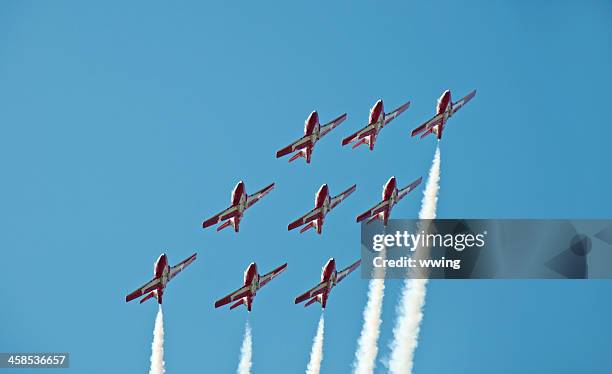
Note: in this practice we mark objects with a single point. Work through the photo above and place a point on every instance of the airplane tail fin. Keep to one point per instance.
(309, 226)
(237, 304)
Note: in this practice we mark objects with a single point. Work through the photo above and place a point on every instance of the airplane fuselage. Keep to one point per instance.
(312, 126)
(444, 107)
(251, 279)
(239, 196)
(239, 199)
(312, 130)
(377, 118)
(161, 270)
(329, 276)
(322, 200)
(377, 114)
(389, 193)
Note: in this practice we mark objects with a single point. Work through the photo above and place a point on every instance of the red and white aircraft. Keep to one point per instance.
(323, 205)
(378, 120)
(444, 110)
(390, 196)
(330, 277)
(162, 274)
(240, 201)
(252, 283)
(313, 131)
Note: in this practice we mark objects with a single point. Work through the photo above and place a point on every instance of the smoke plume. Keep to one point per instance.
(412, 300)
(367, 346)
(157, 347)
(316, 353)
(246, 351)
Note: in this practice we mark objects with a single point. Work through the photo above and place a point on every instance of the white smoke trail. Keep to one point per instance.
(367, 346)
(316, 353)
(430, 194)
(246, 351)
(412, 300)
(157, 347)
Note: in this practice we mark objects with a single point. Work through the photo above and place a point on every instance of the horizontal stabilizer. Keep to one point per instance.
(311, 301)
(295, 156)
(362, 141)
(237, 304)
(149, 295)
(427, 133)
(307, 227)
(224, 225)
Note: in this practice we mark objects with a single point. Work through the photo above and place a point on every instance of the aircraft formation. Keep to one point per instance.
(323, 204)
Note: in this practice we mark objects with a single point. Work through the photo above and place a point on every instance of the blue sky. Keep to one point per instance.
(124, 125)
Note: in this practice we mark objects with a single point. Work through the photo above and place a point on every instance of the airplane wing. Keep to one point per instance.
(302, 142)
(391, 116)
(461, 102)
(331, 125)
(221, 216)
(404, 191)
(343, 273)
(236, 295)
(181, 265)
(146, 288)
(271, 275)
(436, 120)
(316, 290)
(373, 211)
(310, 216)
(339, 198)
(252, 199)
(368, 130)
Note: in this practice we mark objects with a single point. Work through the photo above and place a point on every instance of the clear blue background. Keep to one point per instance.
(126, 124)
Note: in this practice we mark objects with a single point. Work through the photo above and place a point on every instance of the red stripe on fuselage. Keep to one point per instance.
(389, 188)
(238, 192)
(328, 270)
(376, 112)
(321, 196)
(311, 122)
(443, 102)
(160, 265)
(250, 273)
